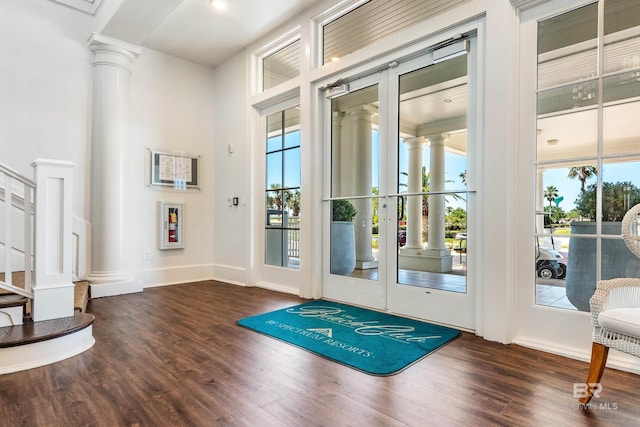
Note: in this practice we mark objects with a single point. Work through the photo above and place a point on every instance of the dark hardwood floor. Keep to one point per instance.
(173, 356)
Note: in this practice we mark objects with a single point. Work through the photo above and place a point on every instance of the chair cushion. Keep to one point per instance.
(625, 320)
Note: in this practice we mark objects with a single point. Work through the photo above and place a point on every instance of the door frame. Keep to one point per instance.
(365, 292)
(388, 265)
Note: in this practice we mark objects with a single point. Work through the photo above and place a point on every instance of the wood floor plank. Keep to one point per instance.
(174, 356)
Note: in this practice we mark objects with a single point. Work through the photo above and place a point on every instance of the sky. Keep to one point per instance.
(568, 188)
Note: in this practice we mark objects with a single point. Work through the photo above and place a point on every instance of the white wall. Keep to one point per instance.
(45, 111)
(172, 109)
(232, 173)
(45, 89)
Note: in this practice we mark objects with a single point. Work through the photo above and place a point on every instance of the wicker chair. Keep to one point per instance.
(615, 311)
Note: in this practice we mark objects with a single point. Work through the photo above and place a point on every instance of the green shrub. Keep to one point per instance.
(343, 210)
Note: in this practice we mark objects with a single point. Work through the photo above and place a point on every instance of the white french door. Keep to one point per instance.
(401, 150)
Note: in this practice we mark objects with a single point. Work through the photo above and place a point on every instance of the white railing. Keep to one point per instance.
(17, 224)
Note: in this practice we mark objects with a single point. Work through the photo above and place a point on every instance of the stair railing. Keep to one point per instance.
(46, 204)
(18, 194)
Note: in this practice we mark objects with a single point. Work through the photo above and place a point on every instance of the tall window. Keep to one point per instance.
(588, 149)
(282, 192)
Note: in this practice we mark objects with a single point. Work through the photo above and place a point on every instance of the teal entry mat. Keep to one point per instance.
(370, 341)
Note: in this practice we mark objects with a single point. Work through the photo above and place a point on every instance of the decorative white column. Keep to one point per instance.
(53, 285)
(361, 120)
(336, 152)
(435, 257)
(112, 58)
(539, 201)
(414, 203)
(435, 240)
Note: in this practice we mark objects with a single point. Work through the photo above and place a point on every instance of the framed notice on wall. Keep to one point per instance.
(179, 171)
(171, 225)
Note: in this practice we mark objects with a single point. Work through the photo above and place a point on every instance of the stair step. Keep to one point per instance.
(81, 292)
(81, 296)
(32, 332)
(12, 300)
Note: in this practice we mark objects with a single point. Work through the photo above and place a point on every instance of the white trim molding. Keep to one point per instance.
(86, 6)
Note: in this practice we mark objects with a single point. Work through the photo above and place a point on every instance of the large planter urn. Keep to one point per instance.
(343, 247)
(617, 261)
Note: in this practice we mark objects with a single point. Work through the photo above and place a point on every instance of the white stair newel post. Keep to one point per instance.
(53, 285)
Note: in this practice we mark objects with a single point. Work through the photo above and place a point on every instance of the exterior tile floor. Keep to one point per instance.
(552, 296)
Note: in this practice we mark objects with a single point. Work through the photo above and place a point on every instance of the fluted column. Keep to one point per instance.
(112, 59)
(414, 185)
(362, 155)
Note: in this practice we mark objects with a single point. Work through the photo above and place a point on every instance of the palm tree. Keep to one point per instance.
(582, 173)
(292, 199)
(425, 199)
(274, 197)
(550, 194)
(463, 176)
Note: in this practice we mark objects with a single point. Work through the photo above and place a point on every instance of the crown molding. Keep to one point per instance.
(86, 6)
(526, 4)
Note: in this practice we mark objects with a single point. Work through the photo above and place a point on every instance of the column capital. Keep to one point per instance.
(362, 111)
(417, 140)
(114, 52)
(437, 138)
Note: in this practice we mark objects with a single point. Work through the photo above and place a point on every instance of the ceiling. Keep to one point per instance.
(193, 30)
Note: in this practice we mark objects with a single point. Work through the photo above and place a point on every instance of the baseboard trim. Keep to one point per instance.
(616, 360)
(116, 288)
(155, 277)
(230, 274)
(278, 288)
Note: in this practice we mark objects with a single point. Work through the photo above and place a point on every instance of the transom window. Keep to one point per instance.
(281, 66)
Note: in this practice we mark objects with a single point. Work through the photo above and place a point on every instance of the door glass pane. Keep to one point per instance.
(354, 176)
(432, 160)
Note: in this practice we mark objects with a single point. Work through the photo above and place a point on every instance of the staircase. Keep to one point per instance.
(43, 315)
(9, 299)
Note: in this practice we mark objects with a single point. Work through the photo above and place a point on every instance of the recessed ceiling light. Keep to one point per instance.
(219, 4)
(334, 59)
(446, 100)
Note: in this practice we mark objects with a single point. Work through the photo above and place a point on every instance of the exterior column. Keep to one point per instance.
(436, 201)
(112, 59)
(414, 185)
(336, 152)
(435, 257)
(539, 201)
(362, 155)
